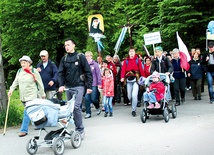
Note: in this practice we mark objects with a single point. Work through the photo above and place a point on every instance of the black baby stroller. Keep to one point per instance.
(44, 113)
(164, 109)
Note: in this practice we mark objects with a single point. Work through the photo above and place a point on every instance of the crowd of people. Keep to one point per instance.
(103, 83)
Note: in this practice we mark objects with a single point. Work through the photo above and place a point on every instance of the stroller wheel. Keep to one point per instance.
(32, 146)
(76, 139)
(174, 111)
(58, 146)
(166, 114)
(143, 116)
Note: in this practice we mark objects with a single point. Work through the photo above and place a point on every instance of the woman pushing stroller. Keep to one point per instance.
(154, 93)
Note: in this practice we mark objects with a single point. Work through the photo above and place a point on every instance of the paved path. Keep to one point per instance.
(191, 133)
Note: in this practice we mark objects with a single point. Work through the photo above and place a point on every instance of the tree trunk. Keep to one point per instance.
(3, 94)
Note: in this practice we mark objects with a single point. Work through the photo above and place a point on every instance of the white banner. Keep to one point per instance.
(152, 38)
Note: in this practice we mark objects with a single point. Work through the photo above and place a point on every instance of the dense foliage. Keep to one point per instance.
(29, 26)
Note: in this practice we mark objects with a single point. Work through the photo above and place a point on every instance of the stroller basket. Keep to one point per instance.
(37, 116)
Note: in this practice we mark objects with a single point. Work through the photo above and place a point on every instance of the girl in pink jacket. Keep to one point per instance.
(108, 91)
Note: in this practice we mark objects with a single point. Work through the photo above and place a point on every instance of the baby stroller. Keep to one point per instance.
(164, 108)
(44, 113)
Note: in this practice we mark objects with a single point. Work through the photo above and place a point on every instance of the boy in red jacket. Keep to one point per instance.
(155, 92)
(108, 91)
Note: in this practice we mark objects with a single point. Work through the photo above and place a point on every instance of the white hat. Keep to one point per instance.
(25, 58)
(43, 53)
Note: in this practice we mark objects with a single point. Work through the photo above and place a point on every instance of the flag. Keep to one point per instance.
(120, 39)
(184, 54)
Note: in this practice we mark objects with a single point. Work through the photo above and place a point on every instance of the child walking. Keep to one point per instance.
(108, 91)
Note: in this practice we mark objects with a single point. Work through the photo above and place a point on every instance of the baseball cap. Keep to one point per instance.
(210, 44)
(43, 53)
(158, 48)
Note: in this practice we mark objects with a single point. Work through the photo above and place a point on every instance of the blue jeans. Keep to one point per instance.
(107, 101)
(25, 123)
(149, 97)
(91, 98)
(210, 76)
(132, 91)
(77, 113)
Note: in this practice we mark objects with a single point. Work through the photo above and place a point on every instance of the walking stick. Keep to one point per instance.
(5, 123)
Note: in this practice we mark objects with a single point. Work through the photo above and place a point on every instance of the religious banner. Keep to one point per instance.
(96, 29)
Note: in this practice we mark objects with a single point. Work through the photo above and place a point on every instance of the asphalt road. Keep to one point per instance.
(191, 133)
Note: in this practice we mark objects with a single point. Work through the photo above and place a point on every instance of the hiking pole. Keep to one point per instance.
(5, 123)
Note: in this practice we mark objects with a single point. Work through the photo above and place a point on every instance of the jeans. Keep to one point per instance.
(77, 113)
(132, 90)
(210, 76)
(107, 101)
(91, 98)
(25, 123)
(149, 97)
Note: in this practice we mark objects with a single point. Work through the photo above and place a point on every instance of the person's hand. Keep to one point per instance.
(89, 91)
(99, 86)
(122, 79)
(39, 69)
(61, 89)
(9, 93)
(43, 97)
(147, 89)
(167, 73)
(51, 83)
(188, 74)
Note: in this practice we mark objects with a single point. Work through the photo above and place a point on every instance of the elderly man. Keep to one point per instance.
(49, 74)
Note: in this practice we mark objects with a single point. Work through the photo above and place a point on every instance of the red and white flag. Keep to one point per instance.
(184, 54)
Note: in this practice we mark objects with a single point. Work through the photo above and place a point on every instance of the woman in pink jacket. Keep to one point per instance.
(108, 91)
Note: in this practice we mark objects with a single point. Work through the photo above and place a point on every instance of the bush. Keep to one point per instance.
(15, 113)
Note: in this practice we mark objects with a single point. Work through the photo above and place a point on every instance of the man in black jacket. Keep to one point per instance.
(208, 65)
(162, 64)
(71, 70)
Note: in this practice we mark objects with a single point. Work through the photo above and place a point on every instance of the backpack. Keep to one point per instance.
(82, 75)
(136, 62)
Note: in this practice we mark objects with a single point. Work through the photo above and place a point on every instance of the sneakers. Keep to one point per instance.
(110, 114)
(182, 100)
(211, 101)
(151, 106)
(98, 111)
(199, 97)
(195, 98)
(82, 135)
(87, 116)
(134, 114)
(177, 103)
(157, 106)
(138, 104)
(106, 114)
